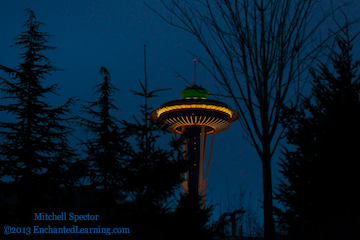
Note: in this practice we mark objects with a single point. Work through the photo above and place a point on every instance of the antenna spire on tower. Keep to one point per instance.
(194, 71)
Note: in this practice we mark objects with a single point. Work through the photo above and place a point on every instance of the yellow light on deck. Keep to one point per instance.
(194, 106)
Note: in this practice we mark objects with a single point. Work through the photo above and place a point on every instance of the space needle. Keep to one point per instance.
(195, 117)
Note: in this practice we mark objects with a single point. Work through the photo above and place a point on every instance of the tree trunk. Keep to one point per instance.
(267, 184)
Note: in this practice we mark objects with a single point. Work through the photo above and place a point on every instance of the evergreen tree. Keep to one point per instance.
(34, 150)
(154, 174)
(107, 152)
(321, 197)
(150, 165)
(106, 157)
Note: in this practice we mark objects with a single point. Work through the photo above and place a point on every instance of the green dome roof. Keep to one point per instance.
(194, 92)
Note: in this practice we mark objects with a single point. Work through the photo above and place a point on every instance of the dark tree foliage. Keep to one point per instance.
(321, 196)
(106, 157)
(107, 151)
(192, 219)
(34, 149)
(154, 172)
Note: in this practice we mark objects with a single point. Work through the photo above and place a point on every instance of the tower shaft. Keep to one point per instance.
(194, 153)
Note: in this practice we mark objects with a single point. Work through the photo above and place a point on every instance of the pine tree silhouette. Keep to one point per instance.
(34, 150)
(154, 173)
(106, 154)
(320, 197)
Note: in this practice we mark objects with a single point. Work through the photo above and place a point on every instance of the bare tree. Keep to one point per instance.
(259, 51)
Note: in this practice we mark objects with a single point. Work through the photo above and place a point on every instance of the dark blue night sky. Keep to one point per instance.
(91, 34)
